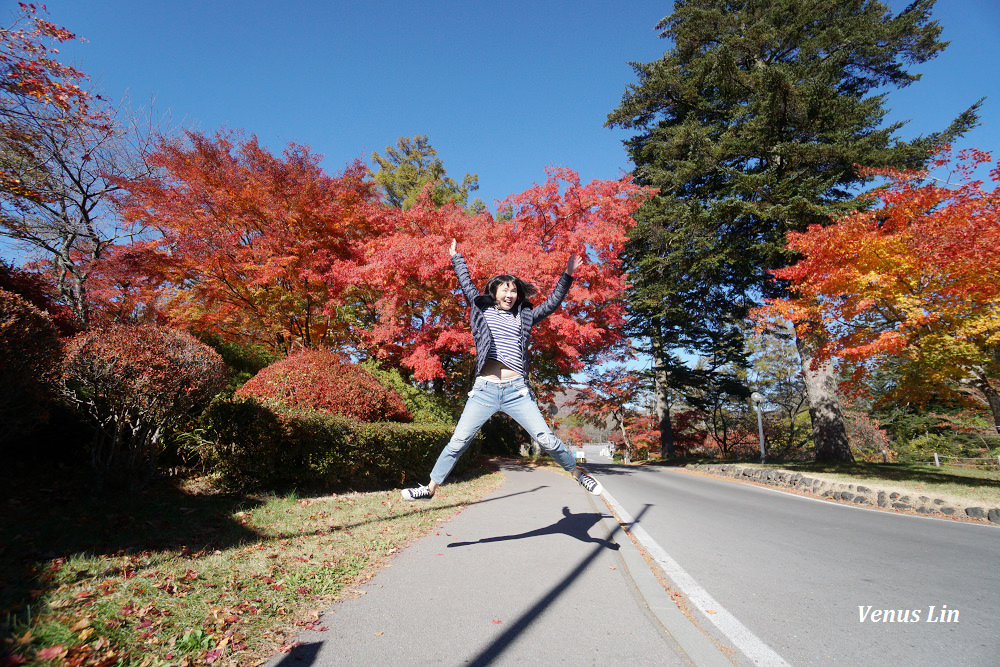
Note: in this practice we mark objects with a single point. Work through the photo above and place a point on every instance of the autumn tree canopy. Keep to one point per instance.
(268, 249)
(32, 78)
(254, 247)
(915, 278)
(422, 315)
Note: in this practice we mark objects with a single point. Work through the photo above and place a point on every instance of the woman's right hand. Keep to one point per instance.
(454, 247)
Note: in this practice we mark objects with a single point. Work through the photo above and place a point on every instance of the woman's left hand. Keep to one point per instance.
(574, 261)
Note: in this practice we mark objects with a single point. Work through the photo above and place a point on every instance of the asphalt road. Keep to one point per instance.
(810, 582)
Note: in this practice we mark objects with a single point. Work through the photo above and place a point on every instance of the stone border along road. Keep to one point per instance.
(858, 494)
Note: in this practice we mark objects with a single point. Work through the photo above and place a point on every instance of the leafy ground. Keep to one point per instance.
(970, 485)
(184, 576)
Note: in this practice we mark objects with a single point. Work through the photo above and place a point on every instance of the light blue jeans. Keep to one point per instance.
(485, 400)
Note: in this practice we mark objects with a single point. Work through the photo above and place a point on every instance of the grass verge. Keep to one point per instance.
(183, 577)
(970, 485)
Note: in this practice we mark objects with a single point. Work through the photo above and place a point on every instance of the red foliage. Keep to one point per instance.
(319, 380)
(135, 382)
(256, 247)
(269, 249)
(645, 433)
(36, 290)
(422, 319)
(689, 434)
(29, 361)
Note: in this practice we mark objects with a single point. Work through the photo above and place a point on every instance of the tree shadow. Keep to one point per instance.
(575, 525)
(52, 514)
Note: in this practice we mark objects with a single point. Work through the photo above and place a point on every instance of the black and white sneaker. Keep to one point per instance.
(591, 484)
(417, 493)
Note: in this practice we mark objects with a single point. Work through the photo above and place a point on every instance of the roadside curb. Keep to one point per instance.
(872, 496)
(698, 647)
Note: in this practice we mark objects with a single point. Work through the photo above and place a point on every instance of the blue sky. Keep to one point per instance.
(502, 89)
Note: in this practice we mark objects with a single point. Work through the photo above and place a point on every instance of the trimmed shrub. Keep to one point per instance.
(319, 380)
(29, 366)
(425, 407)
(134, 383)
(255, 446)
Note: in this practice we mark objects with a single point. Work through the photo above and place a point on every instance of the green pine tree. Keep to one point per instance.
(752, 125)
(409, 166)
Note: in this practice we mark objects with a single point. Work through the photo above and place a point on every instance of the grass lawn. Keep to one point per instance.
(184, 576)
(971, 485)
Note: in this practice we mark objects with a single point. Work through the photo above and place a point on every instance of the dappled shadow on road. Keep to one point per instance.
(492, 652)
(575, 525)
(612, 469)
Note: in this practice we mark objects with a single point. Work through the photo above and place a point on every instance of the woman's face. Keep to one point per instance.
(506, 295)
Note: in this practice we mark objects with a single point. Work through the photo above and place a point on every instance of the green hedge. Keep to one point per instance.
(258, 447)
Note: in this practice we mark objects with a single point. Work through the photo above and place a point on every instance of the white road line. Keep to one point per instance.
(741, 637)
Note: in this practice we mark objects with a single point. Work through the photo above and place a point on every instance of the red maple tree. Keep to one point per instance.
(31, 78)
(253, 247)
(421, 315)
(267, 249)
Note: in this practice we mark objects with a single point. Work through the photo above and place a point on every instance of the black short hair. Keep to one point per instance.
(524, 290)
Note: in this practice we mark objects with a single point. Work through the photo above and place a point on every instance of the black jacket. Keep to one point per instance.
(525, 311)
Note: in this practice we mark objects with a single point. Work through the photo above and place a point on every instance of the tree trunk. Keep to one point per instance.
(982, 384)
(828, 431)
(993, 398)
(660, 390)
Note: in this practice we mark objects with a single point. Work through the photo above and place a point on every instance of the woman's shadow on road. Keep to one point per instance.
(575, 525)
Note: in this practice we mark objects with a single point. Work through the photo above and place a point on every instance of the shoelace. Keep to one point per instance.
(587, 482)
(420, 492)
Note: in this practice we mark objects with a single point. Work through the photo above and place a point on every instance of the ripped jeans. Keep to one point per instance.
(485, 400)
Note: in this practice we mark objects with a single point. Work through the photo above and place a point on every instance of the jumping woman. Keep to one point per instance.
(501, 327)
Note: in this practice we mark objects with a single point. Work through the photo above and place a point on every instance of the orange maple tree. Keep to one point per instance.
(612, 397)
(916, 277)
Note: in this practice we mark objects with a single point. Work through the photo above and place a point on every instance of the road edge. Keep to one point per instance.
(698, 647)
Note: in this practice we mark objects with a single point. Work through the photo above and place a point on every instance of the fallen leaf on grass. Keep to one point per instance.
(80, 625)
(52, 652)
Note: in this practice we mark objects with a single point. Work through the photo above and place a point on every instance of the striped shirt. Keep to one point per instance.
(505, 330)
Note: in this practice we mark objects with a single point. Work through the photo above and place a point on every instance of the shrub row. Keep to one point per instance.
(134, 383)
(256, 446)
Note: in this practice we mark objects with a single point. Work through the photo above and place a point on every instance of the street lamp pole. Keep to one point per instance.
(757, 400)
